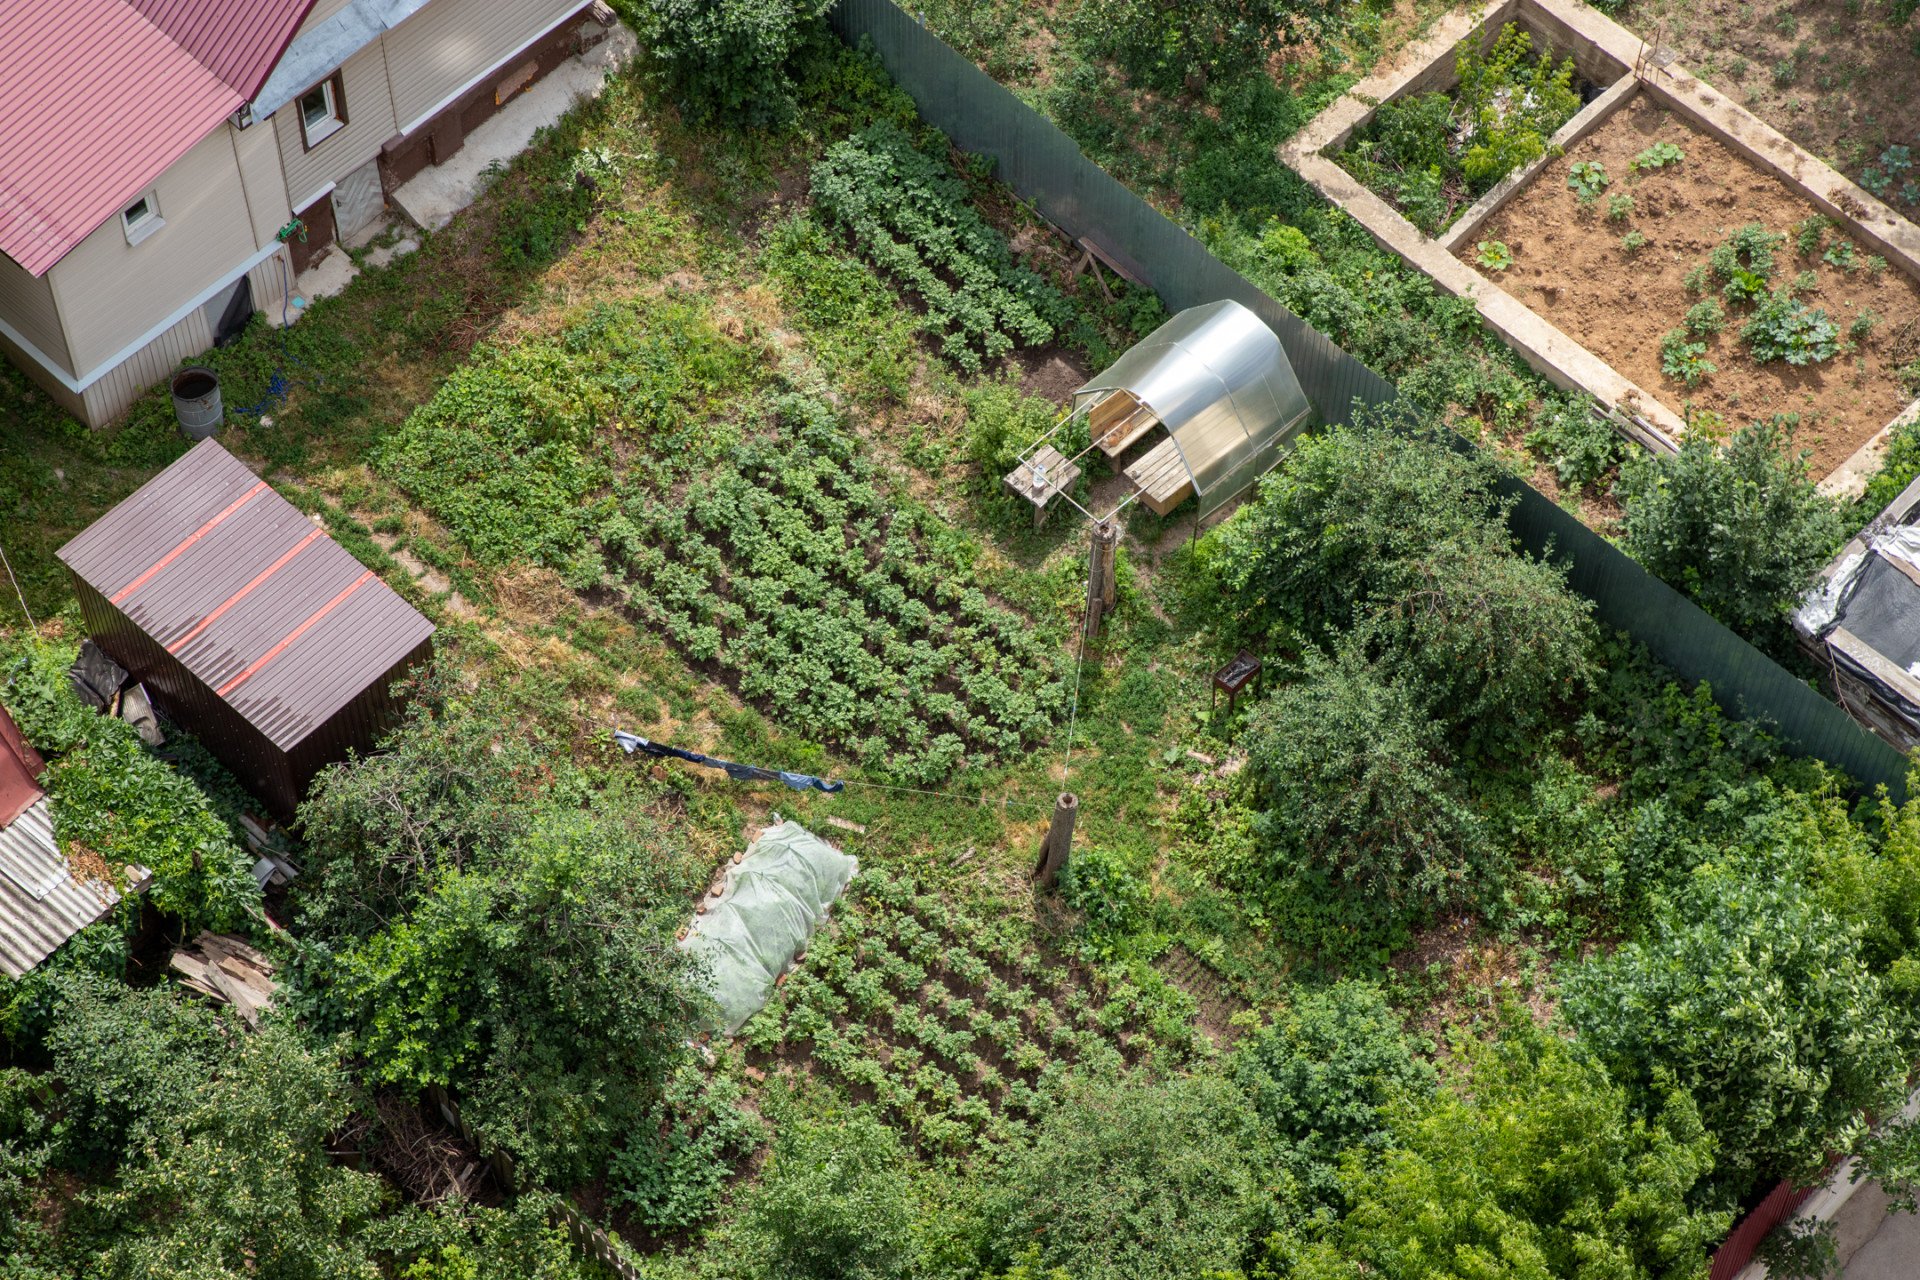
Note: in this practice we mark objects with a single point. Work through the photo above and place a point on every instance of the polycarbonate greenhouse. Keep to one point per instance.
(772, 901)
(1217, 378)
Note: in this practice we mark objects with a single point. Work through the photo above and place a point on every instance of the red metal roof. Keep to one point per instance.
(260, 605)
(20, 769)
(96, 100)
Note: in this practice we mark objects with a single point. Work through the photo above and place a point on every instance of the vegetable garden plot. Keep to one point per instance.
(852, 615)
(1431, 155)
(955, 1026)
(1672, 258)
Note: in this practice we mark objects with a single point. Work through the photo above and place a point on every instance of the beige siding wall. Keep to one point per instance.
(261, 180)
(369, 125)
(110, 292)
(108, 398)
(27, 305)
(442, 48)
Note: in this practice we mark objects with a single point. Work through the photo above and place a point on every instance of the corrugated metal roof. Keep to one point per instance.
(96, 100)
(260, 605)
(238, 40)
(42, 903)
(20, 768)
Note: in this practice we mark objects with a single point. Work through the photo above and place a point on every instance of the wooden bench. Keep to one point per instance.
(1160, 478)
(1118, 421)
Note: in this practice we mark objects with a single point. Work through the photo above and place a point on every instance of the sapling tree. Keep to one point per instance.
(1738, 527)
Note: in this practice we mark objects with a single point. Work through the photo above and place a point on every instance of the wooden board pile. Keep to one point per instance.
(226, 969)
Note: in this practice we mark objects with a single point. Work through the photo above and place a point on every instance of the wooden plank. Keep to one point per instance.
(1118, 438)
(1869, 657)
(1115, 406)
(1161, 478)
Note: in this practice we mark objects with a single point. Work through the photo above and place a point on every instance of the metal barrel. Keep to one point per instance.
(196, 401)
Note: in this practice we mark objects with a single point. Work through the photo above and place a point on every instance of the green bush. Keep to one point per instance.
(1755, 998)
(1532, 1164)
(1738, 527)
(1110, 898)
(111, 793)
(1133, 1178)
(673, 1171)
(1002, 421)
(730, 58)
(1321, 1077)
(1403, 538)
(834, 1203)
(1358, 809)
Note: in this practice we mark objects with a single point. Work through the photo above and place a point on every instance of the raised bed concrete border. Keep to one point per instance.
(1604, 53)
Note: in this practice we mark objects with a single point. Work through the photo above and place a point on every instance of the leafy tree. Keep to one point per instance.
(1881, 889)
(1531, 1166)
(1322, 1076)
(834, 1203)
(1394, 533)
(474, 925)
(1739, 527)
(1754, 997)
(208, 1142)
(446, 792)
(730, 58)
(1135, 1178)
(1359, 810)
(547, 986)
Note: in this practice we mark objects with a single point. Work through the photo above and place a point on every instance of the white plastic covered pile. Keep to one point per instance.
(773, 900)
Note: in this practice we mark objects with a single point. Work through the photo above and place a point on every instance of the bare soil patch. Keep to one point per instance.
(1834, 78)
(1570, 267)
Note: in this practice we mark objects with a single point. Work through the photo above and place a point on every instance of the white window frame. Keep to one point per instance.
(336, 119)
(138, 229)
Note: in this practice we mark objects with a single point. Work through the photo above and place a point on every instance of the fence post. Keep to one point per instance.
(1102, 594)
(1059, 842)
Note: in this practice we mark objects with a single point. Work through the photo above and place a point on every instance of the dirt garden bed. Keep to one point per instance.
(1603, 335)
(1570, 266)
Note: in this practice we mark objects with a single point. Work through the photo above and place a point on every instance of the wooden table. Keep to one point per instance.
(1060, 476)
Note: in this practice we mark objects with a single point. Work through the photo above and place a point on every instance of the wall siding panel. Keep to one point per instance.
(111, 292)
(369, 125)
(27, 304)
(264, 183)
(110, 397)
(440, 49)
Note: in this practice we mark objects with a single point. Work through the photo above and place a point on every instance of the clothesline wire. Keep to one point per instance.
(16, 589)
(1005, 802)
(648, 747)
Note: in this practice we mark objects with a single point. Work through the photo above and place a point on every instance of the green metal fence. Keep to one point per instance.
(1046, 167)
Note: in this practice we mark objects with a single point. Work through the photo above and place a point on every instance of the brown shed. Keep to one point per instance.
(248, 625)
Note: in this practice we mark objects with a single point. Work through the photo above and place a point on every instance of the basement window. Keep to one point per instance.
(141, 218)
(323, 111)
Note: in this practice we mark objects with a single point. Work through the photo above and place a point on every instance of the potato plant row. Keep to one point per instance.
(857, 619)
(959, 1028)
